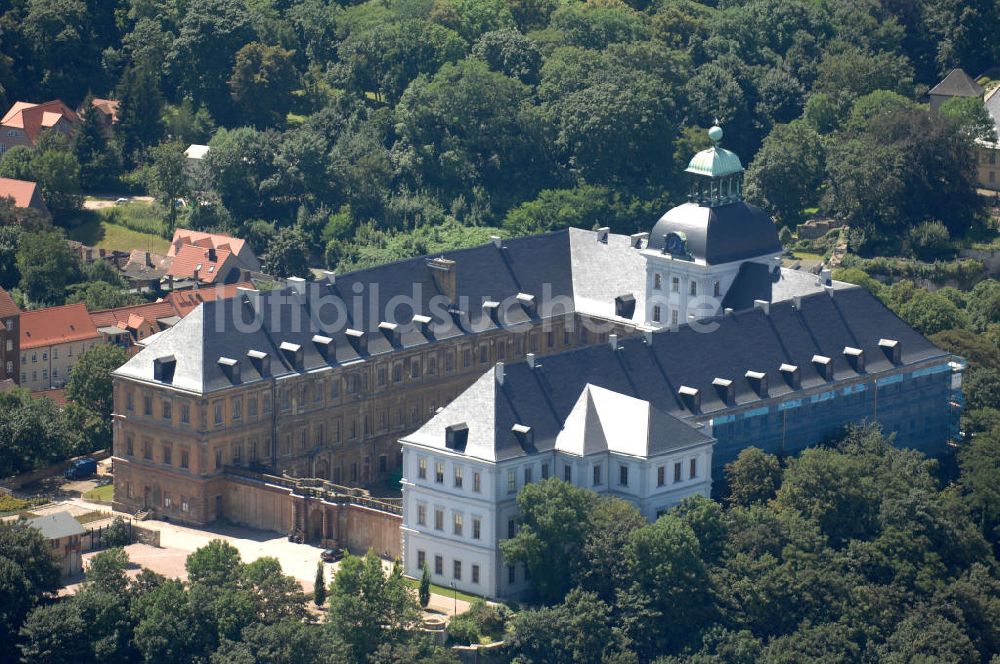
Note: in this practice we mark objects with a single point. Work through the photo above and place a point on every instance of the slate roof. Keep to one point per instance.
(565, 271)
(56, 525)
(721, 234)
(653, 371)
(957, 84)
(756, 281)
(56, 325)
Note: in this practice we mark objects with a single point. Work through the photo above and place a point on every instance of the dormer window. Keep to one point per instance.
(758, 382)
(456, 436)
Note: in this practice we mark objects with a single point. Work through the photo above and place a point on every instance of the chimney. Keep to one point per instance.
(231, 368)
(763, 305)
(790, 373)
(829, 290)
(892, 349)
(498, 372)
(726, 391)
(824, 366)
(391, 332)
(292, 353)
(326, 347)
(826, 276)
(443, 271)
(298, 285)
(758, 381)
(149, 261)
(331, 277)
(423, 324)
(638, 240)
(497, 241)
(527, 301)
(728, 311)
(855, 357)
(797, 302)
(647, 336)
(613, 341)
(492, 310)
(197, 269)
(358, 341)
(531, 360)
(690, 397)
(602, 234)
(163, 368)
(261, 362)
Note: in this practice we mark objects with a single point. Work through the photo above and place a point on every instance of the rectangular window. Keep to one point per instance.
(656, 313)
(661, 475)
(438, 565)
(694, 288)
(422, 469)
(527, 475)
(218, 413)
(185, 459)
(476, 528)
(675, 284)
(693, 469)
(185, 413)
(657, 281)
(421, 515)
(511, 529)
(129, 445)
(421, 559)
(717, 291)
(545, 471)
(475, 573)
(237, 406)
(129, 401)
(218, 458)
(511, 481)
(458, 477)
(475, 482)
(623, 475)
(597, 474)
(673, 317)
(677, 472)
(568, 473)
(438, 519)
(457, 571)
(252, 407)
(168, 410)
(439, 472)
(147, 450)
(168, 455)
(457, 525)
(147, 405)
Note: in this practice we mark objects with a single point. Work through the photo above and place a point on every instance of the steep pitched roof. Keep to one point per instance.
(33, 118)
(957, 84)
(653, 371)
(183, 236)
(133, 316)
(186, 301)
(107, 106)
(22, 191)
(7, 305)
(192, 257)
(56, 325)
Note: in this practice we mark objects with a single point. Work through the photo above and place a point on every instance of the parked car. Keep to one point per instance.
(331, 555)
(80, 469)
(121, 201)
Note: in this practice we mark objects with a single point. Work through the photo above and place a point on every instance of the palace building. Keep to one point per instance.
(769, 358)
(633, 365)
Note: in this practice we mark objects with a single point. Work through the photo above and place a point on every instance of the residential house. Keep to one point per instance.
(63, 534)
(240, 249)
(52, 341)
(195, 152)
(27, 195)
(24, 122)
(956, 84)
(10, 340)
(145, 270)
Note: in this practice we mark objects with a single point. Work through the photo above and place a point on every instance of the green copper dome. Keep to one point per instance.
(715, 162)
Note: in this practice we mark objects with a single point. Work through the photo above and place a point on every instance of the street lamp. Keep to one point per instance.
(455, 590)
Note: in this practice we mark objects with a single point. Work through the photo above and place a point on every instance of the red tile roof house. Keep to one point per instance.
(26, 195)
(25, 121)
(52, 341)
(244, 255)
(203, 266)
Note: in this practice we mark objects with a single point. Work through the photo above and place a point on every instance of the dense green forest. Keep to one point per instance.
(388, 128)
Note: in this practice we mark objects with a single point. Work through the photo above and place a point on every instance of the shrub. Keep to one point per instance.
(462, 630)
(930, 240)
(118, 533)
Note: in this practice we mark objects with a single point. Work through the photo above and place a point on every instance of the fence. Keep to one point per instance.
(323, 490)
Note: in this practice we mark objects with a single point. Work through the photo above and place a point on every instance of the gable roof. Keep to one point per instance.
(208, 261)
(33, 118)
(653, 371)
(183, 236)
(957, 84)
(132, 317)
(7, 305)
(56, 325)
(56, 525)
(23, 192)
(107, 106)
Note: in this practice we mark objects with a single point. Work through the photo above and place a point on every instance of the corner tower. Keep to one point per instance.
(696, 250)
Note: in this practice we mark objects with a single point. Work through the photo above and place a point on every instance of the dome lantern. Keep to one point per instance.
(716, 174)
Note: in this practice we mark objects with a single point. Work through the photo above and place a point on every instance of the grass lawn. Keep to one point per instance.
(88, 517)
(806, 256)
(96, 231)
(104, 493)
(441, 590)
